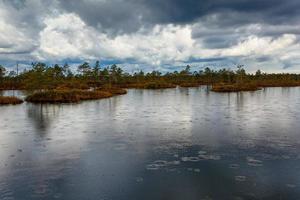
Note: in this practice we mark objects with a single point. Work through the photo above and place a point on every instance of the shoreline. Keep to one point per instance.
(78, 95)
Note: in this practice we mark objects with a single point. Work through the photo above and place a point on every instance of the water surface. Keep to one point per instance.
(154, 144)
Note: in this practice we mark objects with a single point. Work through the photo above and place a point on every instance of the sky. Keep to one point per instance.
(163, 35)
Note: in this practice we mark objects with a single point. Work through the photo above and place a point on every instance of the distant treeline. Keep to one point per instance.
(41, 76)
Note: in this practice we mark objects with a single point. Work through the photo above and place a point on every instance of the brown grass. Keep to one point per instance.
(279, 84)
(72, 85)
(192, 84)
(158, 85)
(234, 87)
(113, 90)
(10, 100)
(133, 85)
(66, 96)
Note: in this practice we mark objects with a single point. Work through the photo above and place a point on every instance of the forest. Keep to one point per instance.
(86, 76)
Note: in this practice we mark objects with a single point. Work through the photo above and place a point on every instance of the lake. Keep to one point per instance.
(183, 143)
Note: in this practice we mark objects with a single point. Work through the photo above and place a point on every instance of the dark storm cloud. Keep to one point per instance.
(116, 16)
(16, 3)
(186, 11)
(217, 19)
(215, 25)
(130, 15)
(27, 15)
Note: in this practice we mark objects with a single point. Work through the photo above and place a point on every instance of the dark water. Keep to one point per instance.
(165, 144)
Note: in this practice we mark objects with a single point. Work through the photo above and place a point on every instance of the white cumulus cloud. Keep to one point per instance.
(67, 36)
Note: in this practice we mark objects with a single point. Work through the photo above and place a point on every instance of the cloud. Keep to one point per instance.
(260, 46)
(67, 36)
(164, 33)
(15, 43)
(130, 15)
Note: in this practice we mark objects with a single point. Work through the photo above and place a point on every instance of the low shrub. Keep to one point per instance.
(66, 96)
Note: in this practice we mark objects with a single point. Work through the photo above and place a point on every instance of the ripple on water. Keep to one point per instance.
(202, 152)
(240, 178)
(5, 194)
(159, 164)
(190, 159)
(209, 157)
(234, 166)
(175, 162)
(253, 162)
(196, 170)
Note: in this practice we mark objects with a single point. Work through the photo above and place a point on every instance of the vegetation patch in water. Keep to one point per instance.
(191, 84)
(113, 90)
(68, 96)
(234, 87)
(4, 100)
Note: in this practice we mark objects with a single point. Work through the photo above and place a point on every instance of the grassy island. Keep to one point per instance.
(71, 96)
(190, 84)
(113, 90)
(10, 100)
(234, 87)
